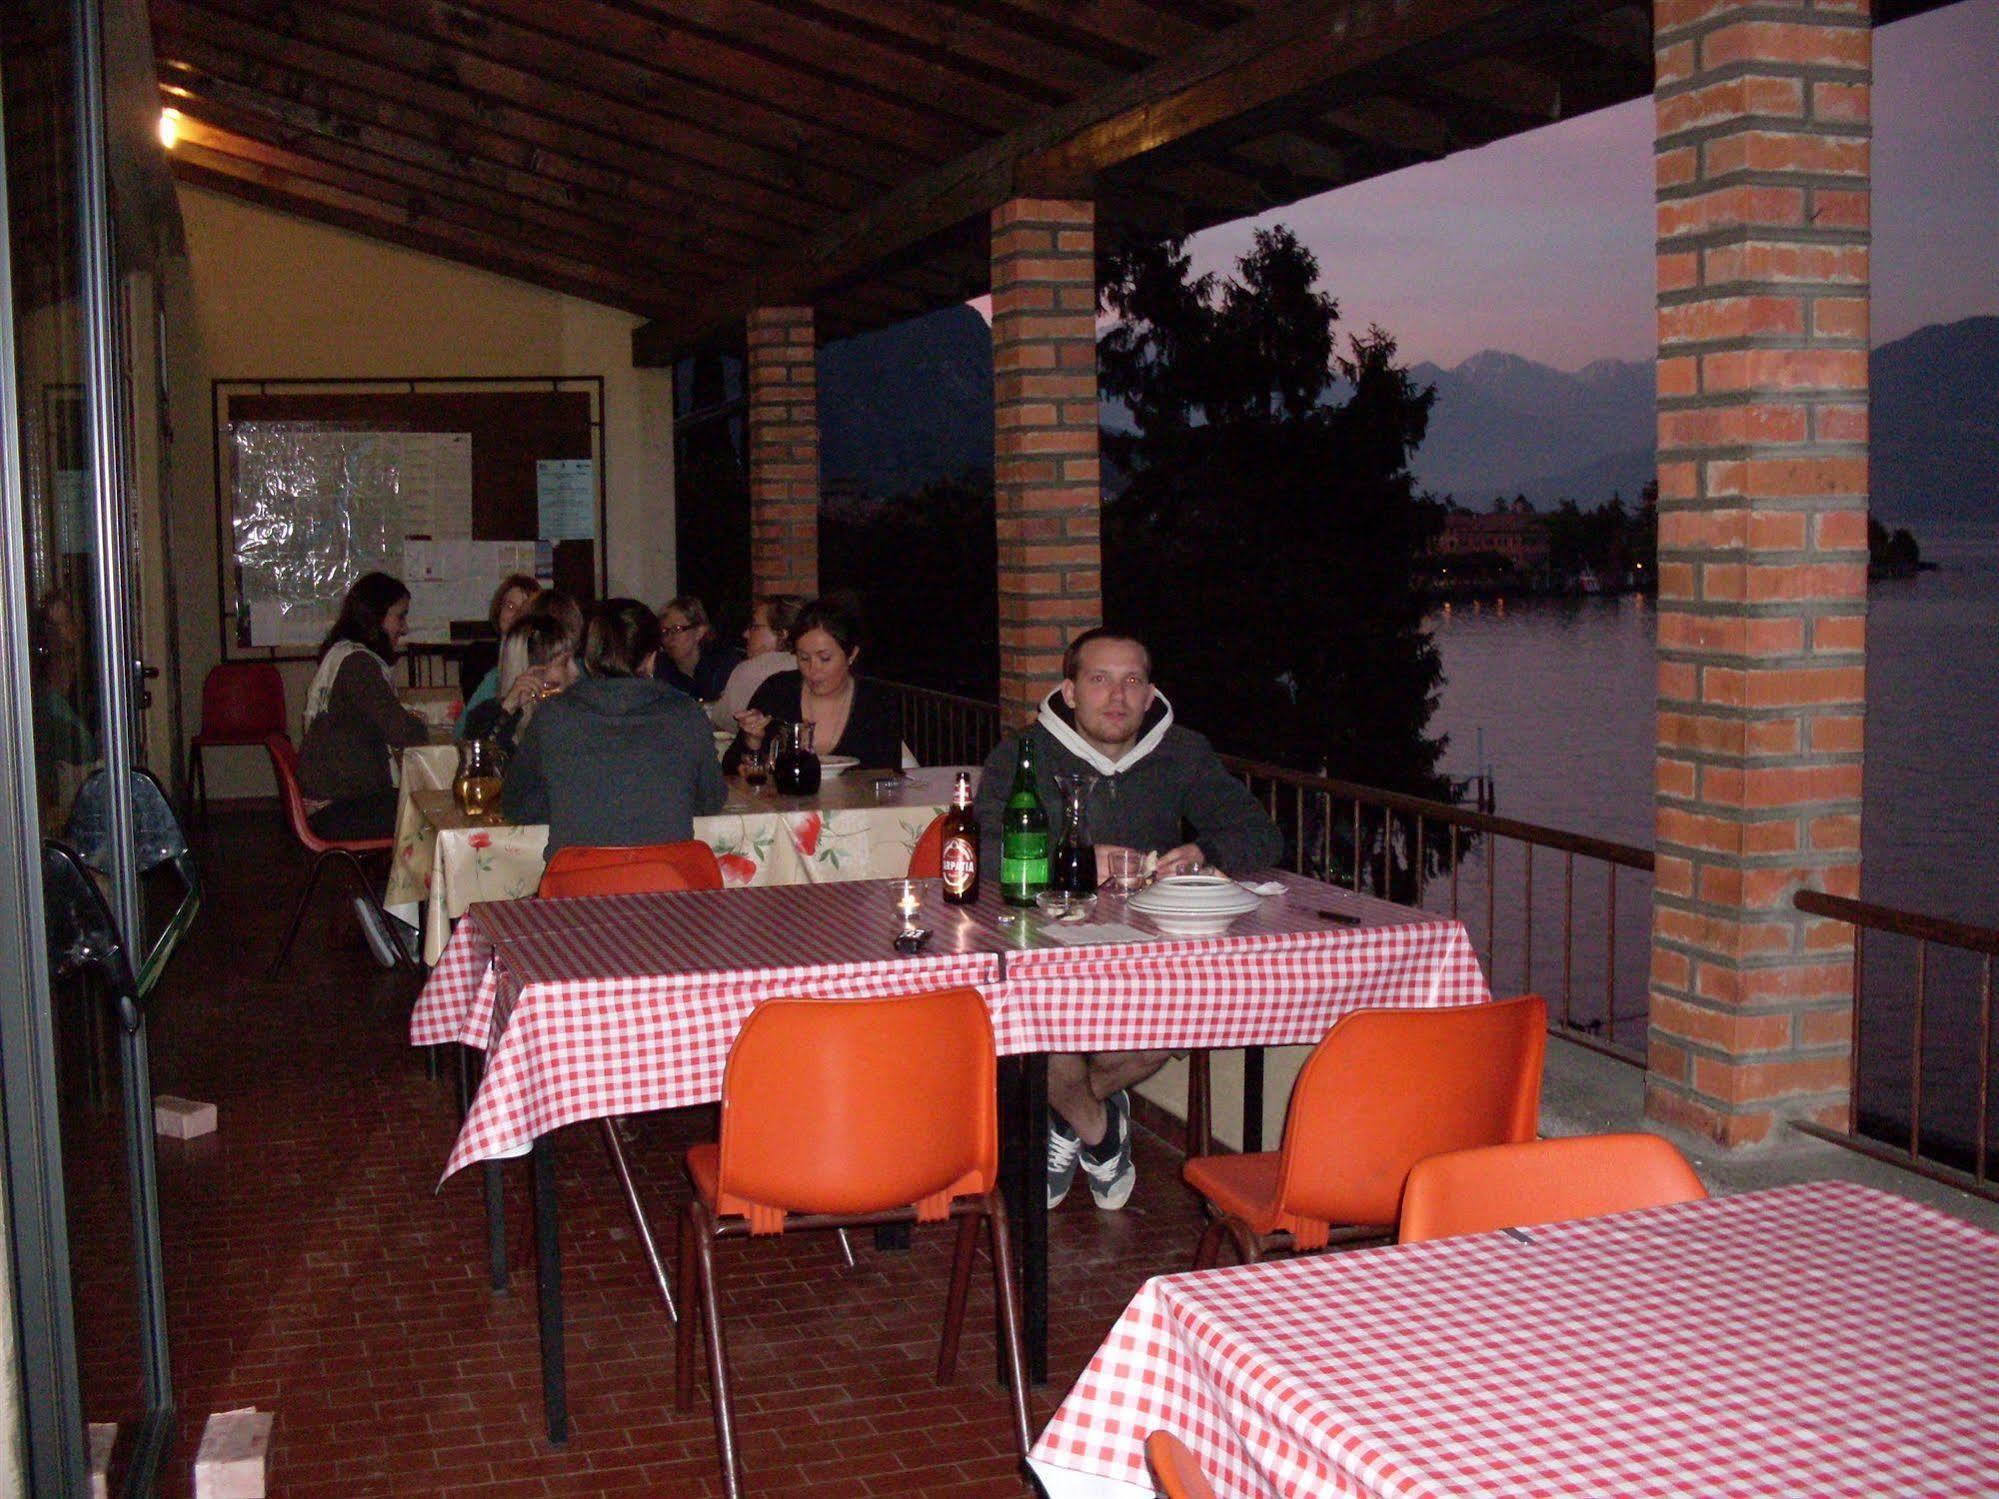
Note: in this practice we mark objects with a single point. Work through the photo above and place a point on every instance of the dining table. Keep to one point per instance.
(616, 1005)
(852, 828)
(1823, 1338)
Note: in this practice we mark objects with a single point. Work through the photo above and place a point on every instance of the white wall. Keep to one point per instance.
(264, 295)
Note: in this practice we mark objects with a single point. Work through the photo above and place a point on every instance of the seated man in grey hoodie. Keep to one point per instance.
(1160, 789)
(618, 758)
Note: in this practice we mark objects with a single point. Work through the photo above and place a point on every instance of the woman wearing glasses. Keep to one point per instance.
(692, 656)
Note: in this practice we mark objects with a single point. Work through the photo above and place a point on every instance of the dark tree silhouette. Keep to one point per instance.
(1267, 531)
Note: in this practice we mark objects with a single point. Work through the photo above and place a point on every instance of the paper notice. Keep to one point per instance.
(566, 489)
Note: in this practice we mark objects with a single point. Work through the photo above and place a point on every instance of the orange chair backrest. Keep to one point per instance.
(643, 869)
(859, 1105)
(243, 701)
(926, 860)
(284, 765)
(1543, 1181)
(1387, 1088)
(1174, 1468)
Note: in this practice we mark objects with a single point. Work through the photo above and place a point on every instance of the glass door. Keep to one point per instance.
(82, 1207)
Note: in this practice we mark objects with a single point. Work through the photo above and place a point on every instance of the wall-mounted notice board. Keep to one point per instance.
(448, 484)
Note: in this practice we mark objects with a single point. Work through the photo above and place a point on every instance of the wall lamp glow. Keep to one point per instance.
(169, 127)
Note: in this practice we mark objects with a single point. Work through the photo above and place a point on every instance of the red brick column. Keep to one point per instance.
(1762, 180)
(1045, 471)
(784, 451)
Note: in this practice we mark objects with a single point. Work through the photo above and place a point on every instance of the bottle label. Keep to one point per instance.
(1024, 861)
(961, 865)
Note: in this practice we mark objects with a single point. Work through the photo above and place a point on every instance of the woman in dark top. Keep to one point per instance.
(353, 720)
(849, 714)
(692, 656)
(618, 758)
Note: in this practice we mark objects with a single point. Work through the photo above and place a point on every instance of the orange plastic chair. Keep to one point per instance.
(926, 860)
(1382, 1091)
(1543, 1181)
(1174, 1468)
(344, 851)
(638, 870)
(641, 869)
(242, 705)
(842, 1113)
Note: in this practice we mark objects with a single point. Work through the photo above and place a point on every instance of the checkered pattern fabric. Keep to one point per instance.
(1823, 1339)
(621, 1004)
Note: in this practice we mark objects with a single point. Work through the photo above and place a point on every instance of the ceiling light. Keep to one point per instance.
(169, 127)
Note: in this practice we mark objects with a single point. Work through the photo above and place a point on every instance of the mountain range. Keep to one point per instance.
(913, 403)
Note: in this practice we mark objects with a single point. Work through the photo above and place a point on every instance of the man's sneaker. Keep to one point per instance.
(375, 927)
(1063, 1147)
(1109, 1165)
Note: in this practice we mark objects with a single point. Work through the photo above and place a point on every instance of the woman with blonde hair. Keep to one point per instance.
(537, 661)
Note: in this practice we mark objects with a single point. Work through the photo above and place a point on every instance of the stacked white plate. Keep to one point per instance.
(1193, 905)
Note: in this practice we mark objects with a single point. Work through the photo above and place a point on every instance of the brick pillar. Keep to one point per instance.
(784, 451)
(1045, 471)
(1762, 180)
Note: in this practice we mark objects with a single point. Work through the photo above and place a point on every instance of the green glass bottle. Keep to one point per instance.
(1024, 839)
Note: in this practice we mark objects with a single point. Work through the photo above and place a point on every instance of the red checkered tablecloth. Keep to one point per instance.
(1824, 1339)
(622, 1004)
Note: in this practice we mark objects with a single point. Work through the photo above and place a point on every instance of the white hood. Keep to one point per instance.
(1060, 721)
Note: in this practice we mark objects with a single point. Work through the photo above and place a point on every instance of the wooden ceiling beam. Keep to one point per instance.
(365, 216)
(1505, 86)
(1127, 33)
(419, 105)
(1398, 125)
(631, 243)
(1300, 57)
(687, 80)
(408, 199)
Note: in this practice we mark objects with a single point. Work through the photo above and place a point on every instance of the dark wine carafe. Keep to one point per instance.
(796, 771)
(1074, 866)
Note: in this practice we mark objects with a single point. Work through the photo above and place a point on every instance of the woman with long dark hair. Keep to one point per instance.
(354, 723)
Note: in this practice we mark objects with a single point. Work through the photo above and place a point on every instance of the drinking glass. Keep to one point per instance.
(1126, 868)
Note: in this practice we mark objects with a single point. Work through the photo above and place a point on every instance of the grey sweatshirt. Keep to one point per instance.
(615, 760)
(1169, 789)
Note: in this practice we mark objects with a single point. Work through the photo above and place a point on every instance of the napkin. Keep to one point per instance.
(1262, 887)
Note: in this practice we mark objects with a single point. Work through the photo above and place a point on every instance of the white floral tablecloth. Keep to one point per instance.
(443, 863)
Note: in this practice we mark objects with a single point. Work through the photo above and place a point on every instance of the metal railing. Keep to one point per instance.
(1944, 1153)
(1430, 854)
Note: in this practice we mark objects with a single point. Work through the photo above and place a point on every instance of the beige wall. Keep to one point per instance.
(263, 295)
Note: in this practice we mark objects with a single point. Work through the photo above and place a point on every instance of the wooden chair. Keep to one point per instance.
(1174, 1469)
(840, 1113)
(638, 870)
(242, 705)
(1382, 1091)
(347, 852)
(643, 869)
(1542, 1181)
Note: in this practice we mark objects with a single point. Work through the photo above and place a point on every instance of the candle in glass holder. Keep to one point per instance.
(908, 903)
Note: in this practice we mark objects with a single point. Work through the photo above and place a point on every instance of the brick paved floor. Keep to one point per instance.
(316, 1271)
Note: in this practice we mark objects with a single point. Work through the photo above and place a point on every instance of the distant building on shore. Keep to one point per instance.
(1516, 534)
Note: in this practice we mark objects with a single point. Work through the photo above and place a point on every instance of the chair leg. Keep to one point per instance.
(197, 785)
(1199, 1141)
(1006, 1292)
(298, 915)
(846, 1246)
(719, 1393)
(1209, 1249)
(954, 1300)
(684, 1330)
(624, 1170)
(1248, 1247)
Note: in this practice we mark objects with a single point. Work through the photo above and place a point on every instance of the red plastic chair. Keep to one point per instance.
(242, 704)
(1543, 1181)
(641, 869)
(839, 1113)
(1179, 1476)
(348, 851)
(1384, 1090)
(926, 860)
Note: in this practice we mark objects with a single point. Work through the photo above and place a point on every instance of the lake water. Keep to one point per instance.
(1555, 700)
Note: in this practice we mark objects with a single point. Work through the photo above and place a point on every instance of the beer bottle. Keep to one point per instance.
(1023, 834)
(961, 845)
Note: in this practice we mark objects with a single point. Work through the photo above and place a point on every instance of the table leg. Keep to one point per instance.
(1024, 1149)
(1252, 1099)
(548, 1288)
(496, 1224)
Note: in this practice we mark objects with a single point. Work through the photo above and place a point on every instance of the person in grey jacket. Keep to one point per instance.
(1160, 789)
(619, 758)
